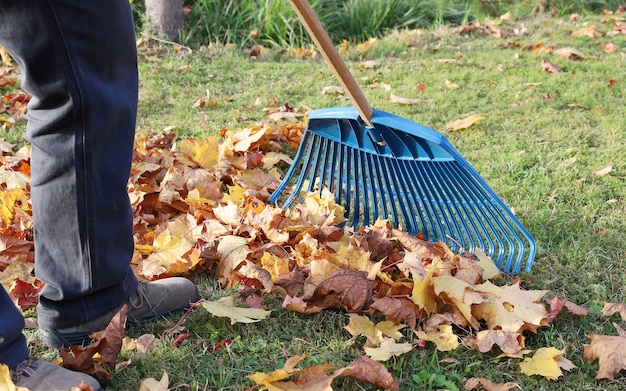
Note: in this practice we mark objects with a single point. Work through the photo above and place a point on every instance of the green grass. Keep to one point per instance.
(524, 149)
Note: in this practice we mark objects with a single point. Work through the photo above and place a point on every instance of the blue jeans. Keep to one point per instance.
(78, 60)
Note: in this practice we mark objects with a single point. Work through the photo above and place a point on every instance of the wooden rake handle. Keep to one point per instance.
(312, 24)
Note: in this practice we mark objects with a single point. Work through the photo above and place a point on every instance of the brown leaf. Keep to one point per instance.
(610, 308)
(293, 283)
(508, 342)
(549, 66)
(349, 290)
(366, 369)
(610, 351)
(397, 310)
(557, 304)
(425, 249)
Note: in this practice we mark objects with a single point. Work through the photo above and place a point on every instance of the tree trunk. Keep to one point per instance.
(166, 16)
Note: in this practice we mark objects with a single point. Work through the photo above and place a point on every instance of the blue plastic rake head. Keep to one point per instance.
(412, 176)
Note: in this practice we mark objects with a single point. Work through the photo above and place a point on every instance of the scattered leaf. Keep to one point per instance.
(549, 66)
(462, 124)
(151, 384)
(225, 308)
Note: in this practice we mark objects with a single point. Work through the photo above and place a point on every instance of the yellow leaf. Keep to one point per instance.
(11, 199)
(234, 195)
(544, 362)
(450, 85)
(461, 124)
(390, 329)
(225, 308)
(387, 349)
(170, 248)
(205, 152)
(510, 308)
(287, 371)
(275, 265)
(362, 325)
(459, 293)
(6, 384)
(442, 336)
(151, 384)
(423, 294)
(490, 270)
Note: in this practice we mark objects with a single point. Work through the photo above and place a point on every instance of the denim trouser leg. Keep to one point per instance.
(78, 61)
(12, 343)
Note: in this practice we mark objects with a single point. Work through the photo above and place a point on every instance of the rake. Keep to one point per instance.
(381, 166)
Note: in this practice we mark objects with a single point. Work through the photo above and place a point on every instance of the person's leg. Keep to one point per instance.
(25, 371)
(78, 61)
(13, 348)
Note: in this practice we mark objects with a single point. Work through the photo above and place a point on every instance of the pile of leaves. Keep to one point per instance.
(201, 204)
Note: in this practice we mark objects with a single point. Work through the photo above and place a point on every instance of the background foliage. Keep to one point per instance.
(273, 22)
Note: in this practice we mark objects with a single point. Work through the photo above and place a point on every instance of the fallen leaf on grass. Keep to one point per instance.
(610, 308)
(610, 351)
(332, 90)
(93, 358)
(588, 30)
(570, 53)
(348, 290)
(549, 66)
(397, 310)
(151, 384)
(225, 308)
(488, 385)
(509, 342)
(442, 336)
(557, 304)
(603, 171)
(387, 349)
(546, 362)
(366, 369)
(465, 123)
(404, 101)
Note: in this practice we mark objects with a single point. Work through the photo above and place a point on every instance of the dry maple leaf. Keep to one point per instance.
(465, 123)
(610, 308)
(151, 384)
(25, 295)
(557, 304)
(546, 362)
(510, 308)
(348, 290)
(509, 342)
(549, 66)
(366, 369)
(488, 385)
(442, 336)
(104, 351)
(610, 351)
(388, 348)
(225, 307)
(362, 325)
(397, 310)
